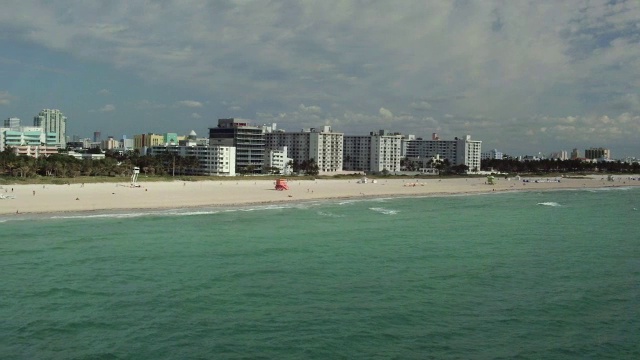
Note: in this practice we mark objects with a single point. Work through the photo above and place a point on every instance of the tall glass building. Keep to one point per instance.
(53, 121)
(248, 141)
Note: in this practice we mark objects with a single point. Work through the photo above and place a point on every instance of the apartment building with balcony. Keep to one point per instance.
(320, 144)
(213, 160)
(248, 141)
(374, 153)
(460, 151)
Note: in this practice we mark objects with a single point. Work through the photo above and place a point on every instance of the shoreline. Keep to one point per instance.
(96, 198)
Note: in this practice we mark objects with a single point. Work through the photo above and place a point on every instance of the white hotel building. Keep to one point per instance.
(322, 145)
(276, 159)
(214, 160)
(461, 151)
(373, 153)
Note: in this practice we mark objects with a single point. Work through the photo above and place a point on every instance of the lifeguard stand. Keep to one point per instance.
(490, 180)
(134, 177)
(281, 184)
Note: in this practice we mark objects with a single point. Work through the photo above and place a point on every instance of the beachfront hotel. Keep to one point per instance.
(320, 144)
(248, 141)
(212, 159)
(276, 161)
(373, 153)
(460, 151)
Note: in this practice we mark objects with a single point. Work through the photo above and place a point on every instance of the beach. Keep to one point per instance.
(29, 199)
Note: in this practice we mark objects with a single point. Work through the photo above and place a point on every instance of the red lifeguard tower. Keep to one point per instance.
(281, 184)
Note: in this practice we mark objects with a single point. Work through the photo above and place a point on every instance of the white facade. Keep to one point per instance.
(276, 159)
(326, 148)
(491, 155)
(53, 121)
(214, 160)
(461, 151)
(110, 144)
(322, 145)
(560, 155)
(86, 156)
(126, 144)
(373, 153)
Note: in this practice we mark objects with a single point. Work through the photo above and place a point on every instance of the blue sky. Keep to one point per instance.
(522, 76)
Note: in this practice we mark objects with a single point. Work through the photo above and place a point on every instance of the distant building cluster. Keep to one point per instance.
(45, 137)
(238, 146)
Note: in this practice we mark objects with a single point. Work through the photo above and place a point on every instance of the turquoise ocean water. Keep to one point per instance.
(529, 275)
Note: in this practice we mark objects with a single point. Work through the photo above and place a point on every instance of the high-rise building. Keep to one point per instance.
(574, 154)
(322, 145)
(461, 151)
(559, 155)
(53, 121)
(12, 123)
(247, 139)
(97, 136)
(597, 153)
(373, 153)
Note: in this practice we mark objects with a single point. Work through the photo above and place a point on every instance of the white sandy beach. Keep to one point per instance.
(27, 199)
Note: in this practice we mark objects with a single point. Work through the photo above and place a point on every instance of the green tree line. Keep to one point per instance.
(114, 164)
(558, 166)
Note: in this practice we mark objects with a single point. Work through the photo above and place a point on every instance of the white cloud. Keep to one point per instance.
(190, 103)
(508, 61)
(107, 108)
(385, 113)
(6, 98)
(310, 109)
(104, 92)
(420, 105)
(196, 115)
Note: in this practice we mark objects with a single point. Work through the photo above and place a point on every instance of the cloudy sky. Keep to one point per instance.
(522, 76)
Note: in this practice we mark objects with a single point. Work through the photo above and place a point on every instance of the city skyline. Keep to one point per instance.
(523, 77)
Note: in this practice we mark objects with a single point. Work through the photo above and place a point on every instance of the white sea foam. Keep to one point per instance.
(190, 213)
(550, 203)
(384, 211)
(98, 216)
(328, 214)
(617, 188)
